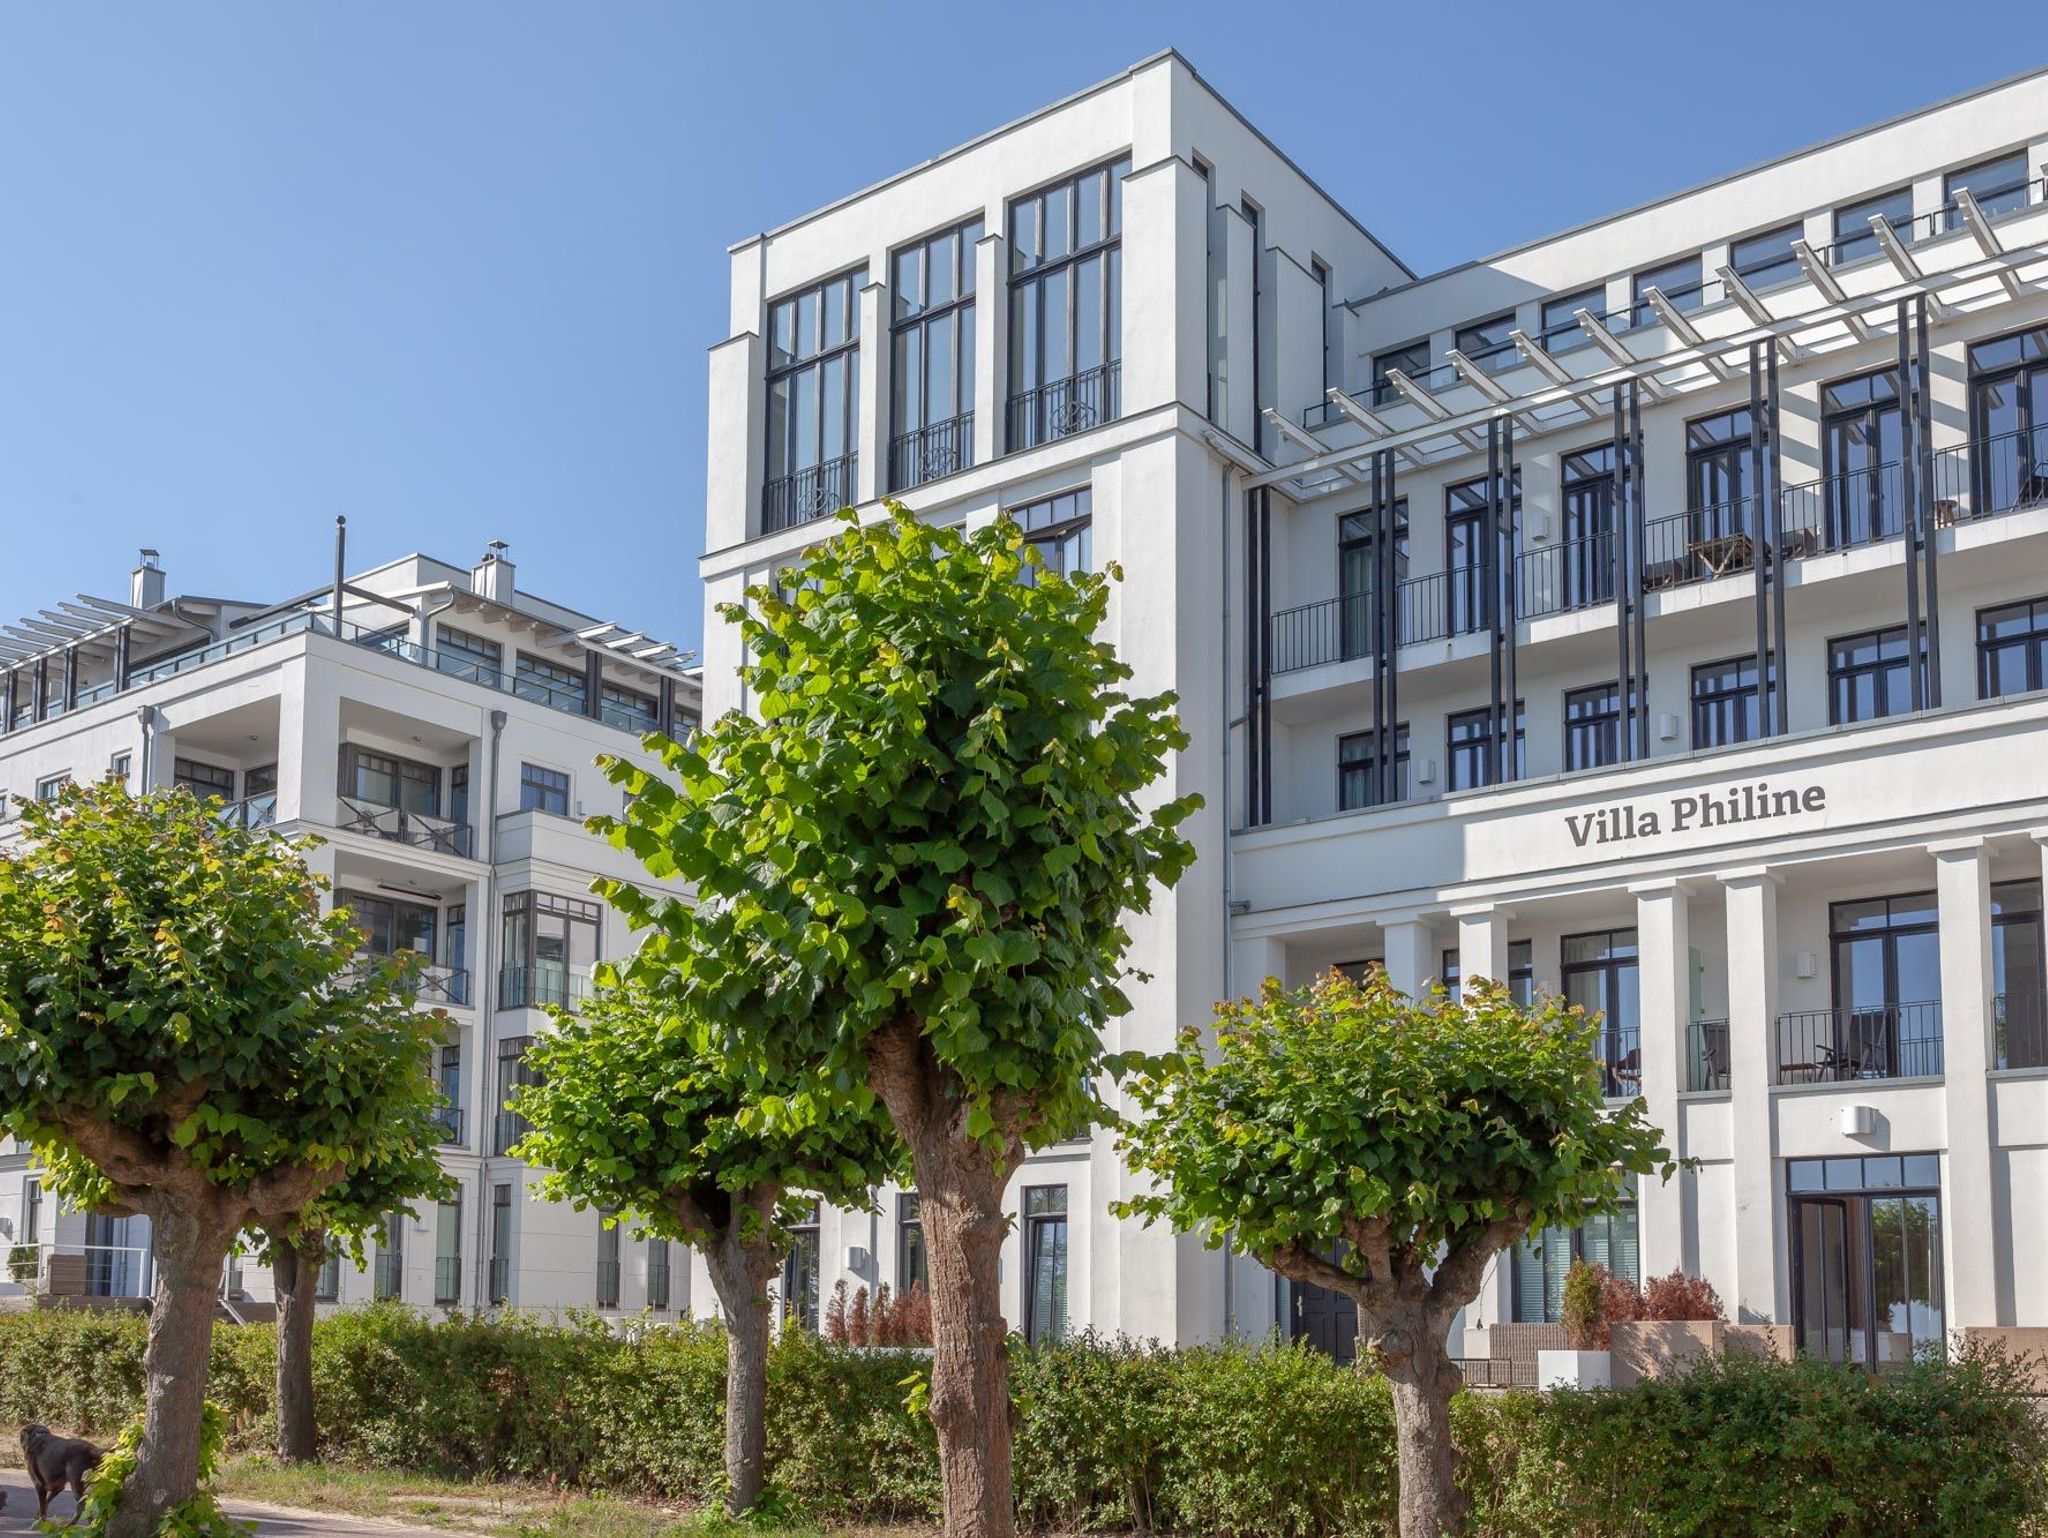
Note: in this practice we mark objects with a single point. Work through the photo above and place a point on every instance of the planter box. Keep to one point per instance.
(1652, 1348)
(1574, 1369)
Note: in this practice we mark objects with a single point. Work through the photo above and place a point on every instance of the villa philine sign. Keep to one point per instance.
(1739, 804)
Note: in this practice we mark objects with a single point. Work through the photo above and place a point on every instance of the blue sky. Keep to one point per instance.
(451, 268)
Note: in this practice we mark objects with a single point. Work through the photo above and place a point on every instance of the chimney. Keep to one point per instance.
(492, 577)
(146, 583)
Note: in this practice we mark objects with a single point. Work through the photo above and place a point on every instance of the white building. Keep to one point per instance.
(436, 726)
(1813, 916)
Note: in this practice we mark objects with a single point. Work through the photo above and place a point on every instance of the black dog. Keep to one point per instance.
(54, 1462)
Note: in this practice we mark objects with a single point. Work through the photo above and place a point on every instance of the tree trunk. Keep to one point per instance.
(960, 1202)
(190, 1251)
(297, 1274)
(1410, 1351)
(739, 1275)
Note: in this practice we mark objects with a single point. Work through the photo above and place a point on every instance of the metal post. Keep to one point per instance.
(1637, 534)
(123, 664)
(1924, 438)
(7, 722)
(1389, 682)
(42, 687)
(340, 569)
(1255, 643)
(1509, 607)
(1910, 514)
(1265, 656)
(1774, 508)
(1763, 567)
(1617, 533)
(70, 678)
(1489, 557)
(593, 686)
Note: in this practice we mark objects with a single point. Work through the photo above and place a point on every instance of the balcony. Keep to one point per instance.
(251, 813)
(1619, 1050)
(557, 986)
(607, 1284)
(657, 1275)
(449, 1119)
(809, 494)
(396, 825)
(1063, 407)
(430, 985)
(507, 1129)
(1847, 1045)
(1706, 1057)
(931, 452)
(447, 1280)
(2020, 1022)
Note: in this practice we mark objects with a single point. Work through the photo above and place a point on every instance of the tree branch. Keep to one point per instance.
(1456, 1281)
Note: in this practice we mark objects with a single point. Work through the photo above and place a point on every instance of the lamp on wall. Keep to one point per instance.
(1805, 964)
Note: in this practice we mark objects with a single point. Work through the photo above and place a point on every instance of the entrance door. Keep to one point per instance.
(1327, 1320)
(1867, 1285)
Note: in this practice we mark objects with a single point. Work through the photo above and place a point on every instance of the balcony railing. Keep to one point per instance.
(657, 1280)
(1881, 1041)
(1063, 407)
(1621, 1060)
(2020, 1029)
(251, 812)
(387, 1275)
(429, 984)
(449, 1119)
(809, 493)
(506, 1130)
(396, 825)
(539, 987)
(1699, 545)
(500, 1280)
(931, 452)
(607, 1284)
(1841, 511)
(1576, 573)
(1706, 1056)
(2004, 474)
(447, 1280)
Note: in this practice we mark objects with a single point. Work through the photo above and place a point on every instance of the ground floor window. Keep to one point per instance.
(800, 1274)
(1542, 1259)
(910, 1267)
(1045, 1263)
(1867, 1286)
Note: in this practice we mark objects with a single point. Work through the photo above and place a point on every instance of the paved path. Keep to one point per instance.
(271, 1521)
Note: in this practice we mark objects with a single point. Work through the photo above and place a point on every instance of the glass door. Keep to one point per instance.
(1867, 1285)
(1822, 1295)
(1586, 486)
(1355, 575)
(1862, 443)
(1887, 989)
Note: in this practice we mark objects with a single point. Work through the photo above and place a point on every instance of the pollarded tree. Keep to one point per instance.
(914, 871)
(182, 1035)
(1387, 1148)
(638, 1112)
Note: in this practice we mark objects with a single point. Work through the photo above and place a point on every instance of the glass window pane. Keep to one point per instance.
(942, 269)
(807, 306)
(939, 368)
(1088, 276)
(1089, 206)
(1059, 222)
(909, 296)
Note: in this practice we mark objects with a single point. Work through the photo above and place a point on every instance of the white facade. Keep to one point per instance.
(1257, 387)
(441, 740)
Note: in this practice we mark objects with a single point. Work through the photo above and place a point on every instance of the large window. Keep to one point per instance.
(205, 780)
(1854, 239)
(1355, 574)
(1767, 259)
(1592, 727)
(1724, 702)
(1412, 359)
(1718, 479)
(469, 656)
(552, 684)
(543, 790)
(2009, 422)
(932, 357)
(1561, 329)
(1487, 343)
(1542, 1259)
(501, 1244)
(383, 779)
(514, 1074)
(1357, 784)
(910, 1262)
(1999, 186)
(607, 1258)
(1066, 303)
(1468, 749)
(1870, 676)
(1600, 977)
(800, 1273)
(550, 945)
(1521, 971)
(1063, 529)
(2019, 976)
(1886, 1023)
(629, 709)
(389, 1281)
(2012, 648)
(1678, 281)
(1861, 442)
(1466, 560)
(1866, 1258)
(448, 1252)
(1580, 572)
(390, 925)
(658, 1274)
(813, 402)
(1045, 1264)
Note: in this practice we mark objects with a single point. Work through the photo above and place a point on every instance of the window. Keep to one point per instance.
(205, 780)
(1411, 359)
(1718, 483)
(2019, 976)
(910, 1267)
(1256, 218)
(389, 1281)
(800, 1273)
(327, 1285)
(550, 945)
(543, 790)
(1066, 306)
(1592, 727)
(1767, 259)
(2009, 422)
(1465, 561)
(1062, 529)
(1678, 281)
(1862, 441)
(1853, 237)
(1521, 971)
(2012, 648)
(1045, 1264)
(1724, 702)
(629, 709)
(1866, 1258)
(1541, 1260)
(469, 656)
(1468, 749)
(1870, 676)
(380, 779)
(550, 683)
(1561, 329)
(1580, 572)
(50, 788)
(1487, 343)
(932, 342)
(1320, 271)
(1355, 573)
(1999, 186)
(813, 402)
(448, 1252)
(1600, 977)
(658, 1274)
(607, 1258)
(121, 768)
(391, 926)
(32, 1211)
(501, 1243)
(455, 943)
(1357, 785)
(1886, 1023)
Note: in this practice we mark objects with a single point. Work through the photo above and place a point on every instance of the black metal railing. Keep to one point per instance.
(251, 812)
(539, 987)
(1881, 1041)
(1620, 1050)
(1838, 512)
(500, 1280)
(447, 1280)
(657, 1279)
(607, 1284)
(1484, 1371)
(1311, 634)
(387, 1276)
(506, 1130)
(1576, 573)
(2003, 474)
(809, 493)
(930, 452)
(449, 1119)
(2020, 1030)
(1062, 407)
(396, 825)
(1706, 1056)
(1699, 545)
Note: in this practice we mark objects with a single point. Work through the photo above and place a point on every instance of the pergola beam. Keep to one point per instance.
(1541, 361)
(1979, 225)
(1676, 323)
(1818, 274)
(1617, 351)
(1308, 443)
(1429, 405)
(1904, 262)
(1491, 388)
(1756, 310)
(1373, 423)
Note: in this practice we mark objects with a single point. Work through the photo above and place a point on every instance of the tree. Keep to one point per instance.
(913, 872)
(1386, 1148)
(297, 1245)
(636, 1110)
(183, 1035)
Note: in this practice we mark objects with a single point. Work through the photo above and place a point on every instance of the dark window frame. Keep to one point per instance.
(2031, 644)
(1476, 746)
(1044, 1227)
(1062, 527)
(1607, 747)
(1854, 240)
(923, 446)
(1893, 673)
(1996, 186)
(1032, 279)
(1765, 259)
(1521, 971)
(794, 448)
(1355, 756)
(1561, 329)
(540, 788)
(911, 1262)
(1488, 342)
(1728, 703)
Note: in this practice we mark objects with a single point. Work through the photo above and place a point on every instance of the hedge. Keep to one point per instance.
(1225, 1441)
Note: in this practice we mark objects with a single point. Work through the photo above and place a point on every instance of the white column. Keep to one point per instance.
(871, 475)
(1664, 994)
(308, 744)
(1763, 1290)
(1962, 871)
(1482, 945)
(1410, 955)
(991, 344)
(736, 451)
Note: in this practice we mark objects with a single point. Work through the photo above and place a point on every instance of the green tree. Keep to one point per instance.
(182, 1034)
(1386, 1148)
(638, 1111)
(913, 872)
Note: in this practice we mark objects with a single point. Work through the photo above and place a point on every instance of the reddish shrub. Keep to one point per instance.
(1681, 1297)
(857, 1318)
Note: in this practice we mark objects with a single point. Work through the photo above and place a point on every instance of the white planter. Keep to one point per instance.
(1574, 1369)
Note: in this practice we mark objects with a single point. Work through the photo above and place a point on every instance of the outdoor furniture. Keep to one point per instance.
(1724, 553)
(1799, 543)
(2034, 489)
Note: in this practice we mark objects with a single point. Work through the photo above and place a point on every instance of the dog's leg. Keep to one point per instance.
(77, 1499)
